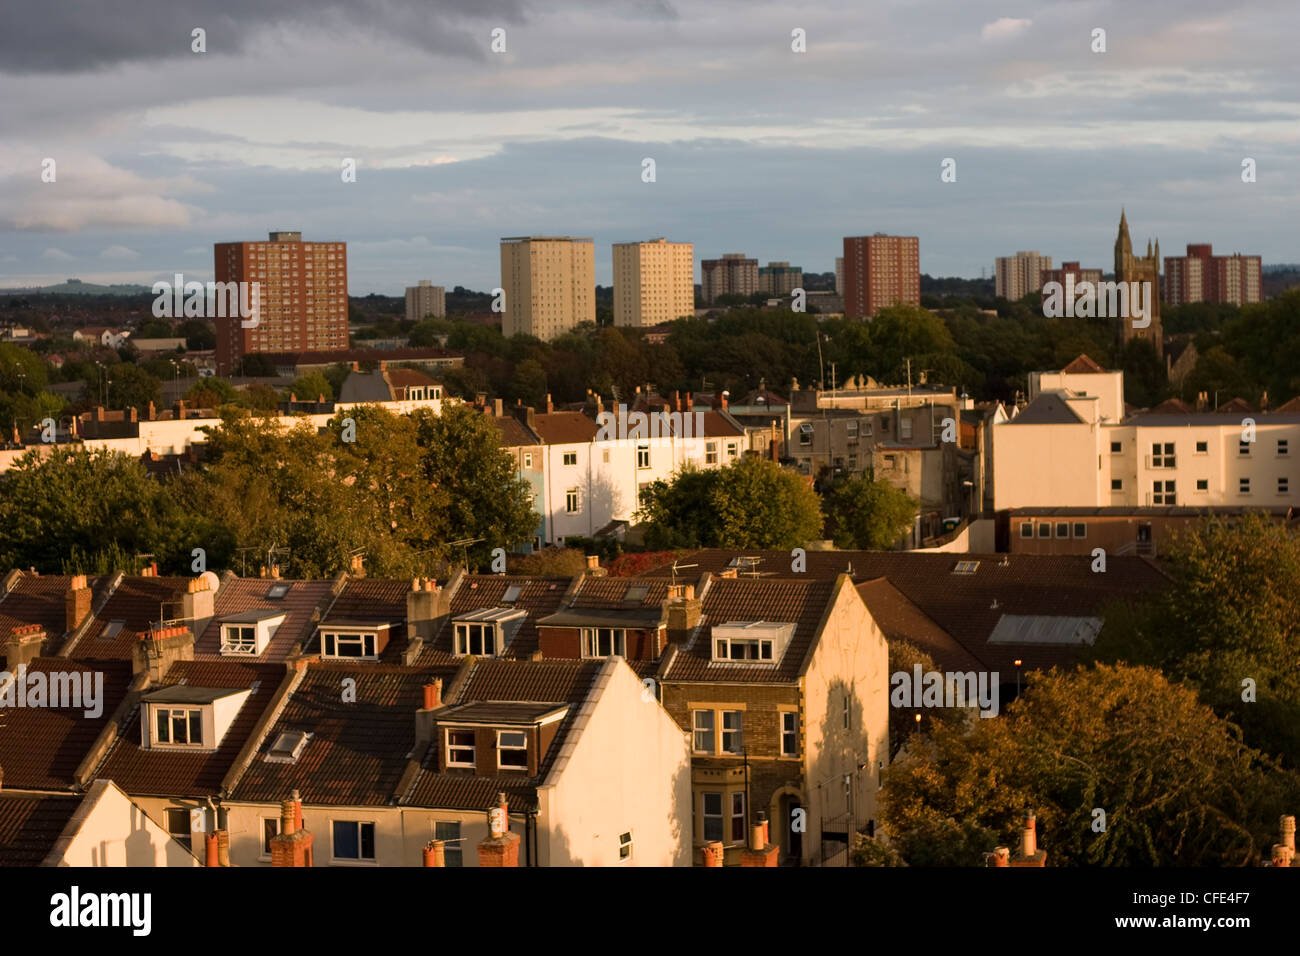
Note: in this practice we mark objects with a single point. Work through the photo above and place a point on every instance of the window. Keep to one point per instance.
(847, 717)
(1062, 529)
(1116, 447)
(851, 429)
(181, 726)
(1243, 448)
(270, 830)
(449, 834)
(732, 735)
(703, 723)
(732, 449)
(1116, 484)
(1202, 447)
(528, 460)
(625, 845)
(711, 453)
(460, 748)
(604, 641)
(712, 816)
(354, 840)
(479, 640)
(789, 734)
(738, 816)
(1162, 493)
(905, 428)
(806, 433)
(1243, 486)
(512, 750)
(1202, 484)
(348, 645)
(571, 501)
(1080, 529)
(1162, 458)
(643, 456)
(1026, 529)
(570, 457)
(1281, 447)
(1283, 485)
(178, 825)
(1045, 529)
(742, 649)
(239, 639)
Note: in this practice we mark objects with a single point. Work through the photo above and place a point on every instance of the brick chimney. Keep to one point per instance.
(681, 608)
(594, 570)
(197, 601)
(497, 407)
(426, 605)
(159, 648)
(152, 412)
(758, 852)
(549, 406)
(1284, 852)
(424, 717)
(23, 646)
(690, 402)
(292, 845)
(712, 853)
(527, 415)
(501, 848)
(1029, 853)
(1000, 856)
(76, 603)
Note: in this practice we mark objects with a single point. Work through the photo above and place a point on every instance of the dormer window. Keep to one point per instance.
(486, 632)
(351, 642)
(460, 748)
(247, 634)
(604, 641)
(512, 750)
(183, 717)
(761, 641)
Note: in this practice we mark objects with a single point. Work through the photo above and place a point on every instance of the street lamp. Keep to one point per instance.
(1018, 662)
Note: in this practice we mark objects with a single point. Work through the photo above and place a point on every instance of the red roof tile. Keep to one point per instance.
(248, 594)
(564, 428)
(137, 602)
(30, 824)
(538, 597)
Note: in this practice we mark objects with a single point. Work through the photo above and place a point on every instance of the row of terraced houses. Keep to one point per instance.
(727, 709)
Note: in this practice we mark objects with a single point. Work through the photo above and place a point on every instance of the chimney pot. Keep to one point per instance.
(433, 694)
(1029, 837)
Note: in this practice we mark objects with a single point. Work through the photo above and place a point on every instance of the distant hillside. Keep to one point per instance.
(77, 287)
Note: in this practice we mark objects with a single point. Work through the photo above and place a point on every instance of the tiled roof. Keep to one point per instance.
(720, 425)
(358, 750)
(246, 594)
(1083, 365)
(41, 747)
(468, 791)
(36, 599)
(802, 603)
(180, 774)
(564, 428)
(969, 606)
(371, 599)
(513, 432)
(137, 602)
(538, 597)
(30, 824)
(546, 681)
(406, 377)
(608, 592)
(899, 619)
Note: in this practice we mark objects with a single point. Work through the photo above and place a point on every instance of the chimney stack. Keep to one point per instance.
(24, 646)
(76, 603)
(424, 717)
(197, 601)
(498, 407)
(1000, 856)
(426, 605)
(292, 845)
(549, 406)
(1030, 854)
(435, 853)
(682, 608)
(501, 848)
(159, 648)
(1284, 852)
(713, 853)
(211, 856)
(758, 852)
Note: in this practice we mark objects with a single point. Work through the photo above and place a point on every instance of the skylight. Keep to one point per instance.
(636, 592)
(965, 567)
(288, 746)
(112, 630)
(277, 592)
(512, 594)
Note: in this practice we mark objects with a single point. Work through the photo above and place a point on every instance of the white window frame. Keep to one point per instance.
(513, 748)
(245, 644)
(570, 455)
(736, 733)
(572, 501)
(336, 637)
(724, 647)
(450, 747)
(711, 730)
(710, 453)
(591, 641)
(1026, 529)
(191, 713)
(642, 457)
(374, 849)
(789, 728)
(625, 846)
(463, 638)
(274, 825)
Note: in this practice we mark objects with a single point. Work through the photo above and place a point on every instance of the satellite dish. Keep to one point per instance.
(214, 582)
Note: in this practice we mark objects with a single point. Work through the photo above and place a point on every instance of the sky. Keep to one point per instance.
(160, 152)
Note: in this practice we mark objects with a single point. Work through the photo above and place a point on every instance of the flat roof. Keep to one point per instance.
(187, 694)
(501, 712)
(604, 617)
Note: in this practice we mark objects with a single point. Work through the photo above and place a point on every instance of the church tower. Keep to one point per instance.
(1131, 268)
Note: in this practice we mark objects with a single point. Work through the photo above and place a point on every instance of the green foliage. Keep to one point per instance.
(310, 387)
(870, 852)
(1228, 615)
(130, 386)
(751, 503)
(550, 562)
(869, 515)
(1178, 786)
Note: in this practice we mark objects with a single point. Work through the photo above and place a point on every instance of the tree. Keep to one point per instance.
(199, 335)
(870, 515)
(309, 387)
(751, 503)
(75, 502)
(211, 393)
(1146, 382)
(130, 386)
(1228, 617)
(461, 454)
(1175, 782)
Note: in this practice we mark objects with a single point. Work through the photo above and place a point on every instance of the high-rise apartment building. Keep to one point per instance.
(303, 297)
(425, 299)
(839, 275)
(550, 285)
(733, 274)
(1016, 276)
(779, 278)
(880, 271)
(1070, 272)
(1201, 276)
(654, 282)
